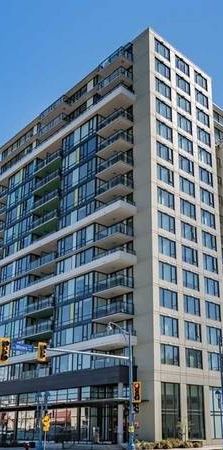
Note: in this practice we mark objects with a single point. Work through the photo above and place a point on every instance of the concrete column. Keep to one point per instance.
(120, 416)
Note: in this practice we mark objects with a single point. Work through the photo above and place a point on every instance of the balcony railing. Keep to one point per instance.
(125, 51)
(128, 137)
(38, 328)
(115, 115)
(120, 179)
(112, 282)
(51, 215)
(45, 259)
(120, 72)
(115, 331)
(29, 374)
(49, 158)
(46, 179)
(114, 308)
(114, 229)
(46, 302)
(101, 253)
(124, 157)
(46, 198)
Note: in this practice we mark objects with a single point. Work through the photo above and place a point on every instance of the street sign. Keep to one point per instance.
(19, 346)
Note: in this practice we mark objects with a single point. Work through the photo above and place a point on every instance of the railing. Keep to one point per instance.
(109, 283)
(114, 229)
(2, 209)
(120, 72)
(128, 137)
(3, 191)
(53, 106)
(46, 198)
(101, 253)
(47, 160)
(114, 308)
(38, 328)
(42, 260)
(45, 218)
(105, 164)
(53, 123)
(125, 51)
(2, 226)
(39, 304)
(46, 179)
(120, 179)
(111, 333)
(113, 116)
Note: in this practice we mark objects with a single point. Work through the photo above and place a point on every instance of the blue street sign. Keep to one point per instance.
(19, 346)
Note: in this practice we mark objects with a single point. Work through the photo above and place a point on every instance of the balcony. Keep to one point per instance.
(122, 56)
(121, 141)
(117, 120)
(39, 331)
(42, 307)
(46, 203)
(41, 372)
(47, 184)
(51, 127)
(107, 341)
(2, 228)
(118, 76)
(45, 224)
(114, 286)
(50, 164)
(3, 193)
(43, 265)
(119, 186)
(2, 211)
(60, 104)
(113, 312)
(117, 234)
(119, 164)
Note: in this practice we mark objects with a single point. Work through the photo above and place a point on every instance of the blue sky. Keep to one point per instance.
(46, 46)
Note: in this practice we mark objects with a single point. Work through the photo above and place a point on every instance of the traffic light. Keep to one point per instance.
(41, 352)
(46, 423)
(4, 349)
(137, 395)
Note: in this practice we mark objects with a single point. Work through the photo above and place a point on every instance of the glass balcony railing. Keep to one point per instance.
(112, 282)
(125, 135)
(42, 260)
(120, 179)
(113, 308)
(46, 198)
(101, 253)
(114, 229)
(29, 374)
(38, 328)
(114, 331)
(105, 164)
(115, 115)
(49, 158)
(42, 220)
(125, 52)
(43, 303)
(46, 179)
(118, 73)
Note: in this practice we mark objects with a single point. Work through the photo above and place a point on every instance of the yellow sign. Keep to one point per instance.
(131, 429)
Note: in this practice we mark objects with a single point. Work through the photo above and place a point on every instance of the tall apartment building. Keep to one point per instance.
(110, 212)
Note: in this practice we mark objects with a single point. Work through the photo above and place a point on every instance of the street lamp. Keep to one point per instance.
(110, 327)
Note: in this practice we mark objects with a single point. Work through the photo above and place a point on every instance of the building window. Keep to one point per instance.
(182, 65)
(167, 272)
(205, 176)
(210, 263)
(209, 240)
(166, 222)
(200, 80)
(192, 331)
(207, 197)
(201, 98)
(186, 164)
(213, 311)
(168, 326)
(205, 156)
(163, 88)
(211, 287)
(194, 358)
(183, 84)
(207, 218)
(170, 355)
(183, 103)
(186, 186)
(164, 152)
(184, 123)
(162, 49)
(213, 335)
(189, 255)
(163, 109)
(215, 408)
(203, 117)
(168, 299)
(203, 136)
(187, 208)
(170, 395)
(192, 305)
(190, 280)
(185, 144)
(213, 361)
(164, 174)
(167, 247)
(162, 69)
(195, 411)
(164, 131)
(188, 231)
(165, 198)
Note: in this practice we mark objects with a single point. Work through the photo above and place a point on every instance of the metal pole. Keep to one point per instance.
(131, 445)
(221, 372)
